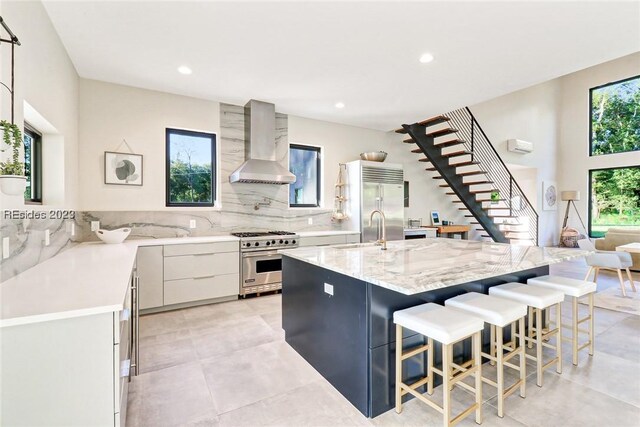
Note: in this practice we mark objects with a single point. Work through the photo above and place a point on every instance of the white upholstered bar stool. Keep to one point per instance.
(447, 326)
(538, 299)
(576, 289)
(498, 313)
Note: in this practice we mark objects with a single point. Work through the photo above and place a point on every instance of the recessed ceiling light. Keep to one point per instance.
(183, 69)
(426, 57)
(339, 104)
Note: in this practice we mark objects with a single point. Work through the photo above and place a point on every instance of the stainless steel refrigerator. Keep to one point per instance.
(370, 186)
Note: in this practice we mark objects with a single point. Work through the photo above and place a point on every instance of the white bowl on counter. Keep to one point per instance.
(113, 236)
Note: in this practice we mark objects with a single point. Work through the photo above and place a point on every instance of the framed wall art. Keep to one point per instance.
(122, 168)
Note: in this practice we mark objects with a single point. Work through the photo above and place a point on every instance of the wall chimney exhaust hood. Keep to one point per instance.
(261, 166)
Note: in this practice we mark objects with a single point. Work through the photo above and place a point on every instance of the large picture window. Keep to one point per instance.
(615, 199)
(304, 163)
(615, 117)
(32, 164)
(191, 160)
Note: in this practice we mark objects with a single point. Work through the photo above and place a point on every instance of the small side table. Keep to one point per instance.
(633, 248)
(448, 230)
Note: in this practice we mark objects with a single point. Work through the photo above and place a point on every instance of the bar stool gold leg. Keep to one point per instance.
(530, 312)
(574, 325)
(559, 337)
(622, 287)
(399, 368)
(500, 362)
(538, 314)
(477, 344)
(523, 358)
(631, 282)
(591, 323)
(586, 278)
(446, 383)
(430, 366)
(492, 340)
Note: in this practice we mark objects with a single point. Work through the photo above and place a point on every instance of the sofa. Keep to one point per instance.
(621, 236)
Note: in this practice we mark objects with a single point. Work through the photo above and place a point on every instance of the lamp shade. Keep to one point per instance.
(570, 195)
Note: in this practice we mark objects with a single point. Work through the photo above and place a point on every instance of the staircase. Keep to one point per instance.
(467, 166)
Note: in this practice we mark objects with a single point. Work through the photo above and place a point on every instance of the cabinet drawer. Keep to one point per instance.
(352, 238)
(186, 290)
(322, 240)
(204, 265)
(200, 248)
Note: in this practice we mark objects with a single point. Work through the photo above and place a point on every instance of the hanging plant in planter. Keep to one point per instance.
(12, 179)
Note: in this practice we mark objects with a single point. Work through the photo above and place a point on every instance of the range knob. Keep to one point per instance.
(257, 244)
(273, 242)
(281, 241)
(268, 243)
(286, 242)
(293, 242)
(248, 244)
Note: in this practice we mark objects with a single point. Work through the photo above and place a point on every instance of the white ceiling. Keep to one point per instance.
(306, 56)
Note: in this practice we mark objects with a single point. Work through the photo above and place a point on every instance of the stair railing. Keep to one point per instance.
(477, 143)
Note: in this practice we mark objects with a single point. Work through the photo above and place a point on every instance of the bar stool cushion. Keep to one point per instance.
(566, 285)
(493, 310)
(443, 324)
(534, 296)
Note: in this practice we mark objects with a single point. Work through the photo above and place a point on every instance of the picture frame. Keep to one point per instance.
(549, 196)
(123, 168)
(435, 218)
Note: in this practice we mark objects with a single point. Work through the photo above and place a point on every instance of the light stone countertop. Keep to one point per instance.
(421, 265)
(324, 233)
(90, 278)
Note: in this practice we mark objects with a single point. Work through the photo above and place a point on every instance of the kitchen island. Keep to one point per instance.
(338, 303)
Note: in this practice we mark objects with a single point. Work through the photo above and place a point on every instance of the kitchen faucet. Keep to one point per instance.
(383, 240)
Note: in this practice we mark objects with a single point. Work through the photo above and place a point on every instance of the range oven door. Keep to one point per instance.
(261, 269)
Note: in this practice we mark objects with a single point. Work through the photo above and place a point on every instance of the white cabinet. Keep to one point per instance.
(149, 260)
(330, 239)
(201, 272)
(67, 372)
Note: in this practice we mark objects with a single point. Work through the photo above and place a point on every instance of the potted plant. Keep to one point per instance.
(12, 179)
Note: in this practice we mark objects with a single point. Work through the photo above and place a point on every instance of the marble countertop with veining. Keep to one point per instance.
(421, 265)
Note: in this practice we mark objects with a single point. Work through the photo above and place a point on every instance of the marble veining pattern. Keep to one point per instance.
(414, 266)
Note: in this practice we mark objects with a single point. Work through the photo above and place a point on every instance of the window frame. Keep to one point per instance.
(214, 167)
(36, 164)
(590, 192)
(318, 150)
(591, 117)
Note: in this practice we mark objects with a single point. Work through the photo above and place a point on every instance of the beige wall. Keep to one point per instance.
(46, 79)
(574, 160)
(531, 115)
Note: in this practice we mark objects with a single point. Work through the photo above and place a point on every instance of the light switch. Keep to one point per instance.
(192, 223)
(47, 237)
(95, 225)
(328, 289)
(5, 247)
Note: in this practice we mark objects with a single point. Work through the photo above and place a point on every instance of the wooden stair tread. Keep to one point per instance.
(470, 173)
(430, 169)
(409, 141)
(416, 150)
(482, 191)
(437, 177)
(478, 182)
(441, 132)
(443, 185)
(495, 208)
(518, 238)
(456, 153)
(501, 216)
(431, 121)
(424, 159)
(467, 163)
(449, 143)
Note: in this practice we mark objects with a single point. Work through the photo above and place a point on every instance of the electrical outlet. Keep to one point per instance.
(192, 223)
(47, 237)
(328, 289)
(70, 228)
(95, 225)
(5, 247)
(310, 220)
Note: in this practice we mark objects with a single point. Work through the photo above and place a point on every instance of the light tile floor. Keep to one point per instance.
(228, 365)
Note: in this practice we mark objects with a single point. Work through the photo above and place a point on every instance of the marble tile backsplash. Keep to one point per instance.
(237, 209)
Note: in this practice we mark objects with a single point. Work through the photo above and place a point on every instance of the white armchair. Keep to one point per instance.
(608, 260)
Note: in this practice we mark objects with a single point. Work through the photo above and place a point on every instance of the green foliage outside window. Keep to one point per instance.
(615, 117)
(615, 199)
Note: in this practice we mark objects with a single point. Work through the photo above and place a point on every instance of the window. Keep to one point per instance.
(32, 164)
(304, 163)
(615, 199)
(615, 117)
(191, 159)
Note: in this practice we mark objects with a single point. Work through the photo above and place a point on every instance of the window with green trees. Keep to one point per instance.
(190, 168)
(615, 117)
(615, 199)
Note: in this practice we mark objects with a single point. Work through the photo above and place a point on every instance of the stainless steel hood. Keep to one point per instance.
(261, 166)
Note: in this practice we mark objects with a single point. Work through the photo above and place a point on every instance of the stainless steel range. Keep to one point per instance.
(261, 265)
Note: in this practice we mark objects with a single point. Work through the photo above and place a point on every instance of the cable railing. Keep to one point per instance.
(522, 221)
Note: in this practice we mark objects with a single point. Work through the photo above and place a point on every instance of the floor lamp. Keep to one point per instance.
(570, 197)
